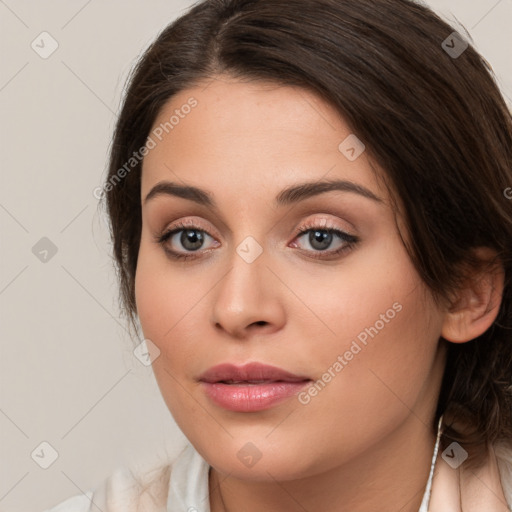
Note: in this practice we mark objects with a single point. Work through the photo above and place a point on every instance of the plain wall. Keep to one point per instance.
(68, 375)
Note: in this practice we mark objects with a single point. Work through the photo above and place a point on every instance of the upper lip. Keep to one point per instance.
(257, 372)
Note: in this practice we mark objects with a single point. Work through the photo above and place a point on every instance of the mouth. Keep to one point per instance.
(249, 382)
(250, 388)
(252, 373)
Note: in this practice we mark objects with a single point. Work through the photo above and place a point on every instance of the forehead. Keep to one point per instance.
(259, 135)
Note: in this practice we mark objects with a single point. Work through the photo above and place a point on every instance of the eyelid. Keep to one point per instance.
(190, 223)
(320, 224)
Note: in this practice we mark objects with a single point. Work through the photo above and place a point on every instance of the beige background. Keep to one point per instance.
(68, 376)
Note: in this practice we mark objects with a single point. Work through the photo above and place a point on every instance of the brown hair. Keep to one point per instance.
(435, 122)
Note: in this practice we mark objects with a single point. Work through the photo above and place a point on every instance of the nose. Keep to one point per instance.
(247, 300)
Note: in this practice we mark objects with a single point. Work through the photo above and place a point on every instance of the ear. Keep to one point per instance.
(477, 303)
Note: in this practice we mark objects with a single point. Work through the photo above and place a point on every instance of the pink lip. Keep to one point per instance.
(234, 387)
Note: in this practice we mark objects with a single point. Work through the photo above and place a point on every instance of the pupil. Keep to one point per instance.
(320, 239)
(191, 239)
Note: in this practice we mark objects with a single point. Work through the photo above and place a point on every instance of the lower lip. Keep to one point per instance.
(251, 397)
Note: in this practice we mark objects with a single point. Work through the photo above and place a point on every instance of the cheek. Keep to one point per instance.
(376, 294)
(163, 293)
(150, 296)
(379, 330)
(171, 304)
(377, 357)
(164, 303)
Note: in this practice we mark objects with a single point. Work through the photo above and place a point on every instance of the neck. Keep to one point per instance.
(389, 476)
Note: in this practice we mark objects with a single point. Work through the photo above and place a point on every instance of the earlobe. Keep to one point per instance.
(477, 303)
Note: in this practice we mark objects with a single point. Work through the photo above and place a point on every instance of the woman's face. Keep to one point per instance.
(343, 312)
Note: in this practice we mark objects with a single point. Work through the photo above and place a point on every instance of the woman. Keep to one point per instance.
(310, 218)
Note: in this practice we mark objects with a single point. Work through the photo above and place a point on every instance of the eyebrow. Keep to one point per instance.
(288, 196)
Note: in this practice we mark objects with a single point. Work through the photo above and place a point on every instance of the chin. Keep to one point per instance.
(260, 460)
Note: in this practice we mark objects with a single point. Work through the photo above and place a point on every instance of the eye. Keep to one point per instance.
(320, 238)
(190, 237)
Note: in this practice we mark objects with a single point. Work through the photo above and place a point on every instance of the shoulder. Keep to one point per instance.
(123, 491)
(183, 480)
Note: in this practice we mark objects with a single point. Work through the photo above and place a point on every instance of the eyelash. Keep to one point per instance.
(350, 240)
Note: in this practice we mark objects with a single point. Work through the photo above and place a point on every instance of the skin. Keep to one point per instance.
(364, 443)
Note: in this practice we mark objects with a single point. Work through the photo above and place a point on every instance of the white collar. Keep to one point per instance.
(428, 489)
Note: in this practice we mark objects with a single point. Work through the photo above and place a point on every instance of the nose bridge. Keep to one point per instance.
(241, 286)
(245, 294)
